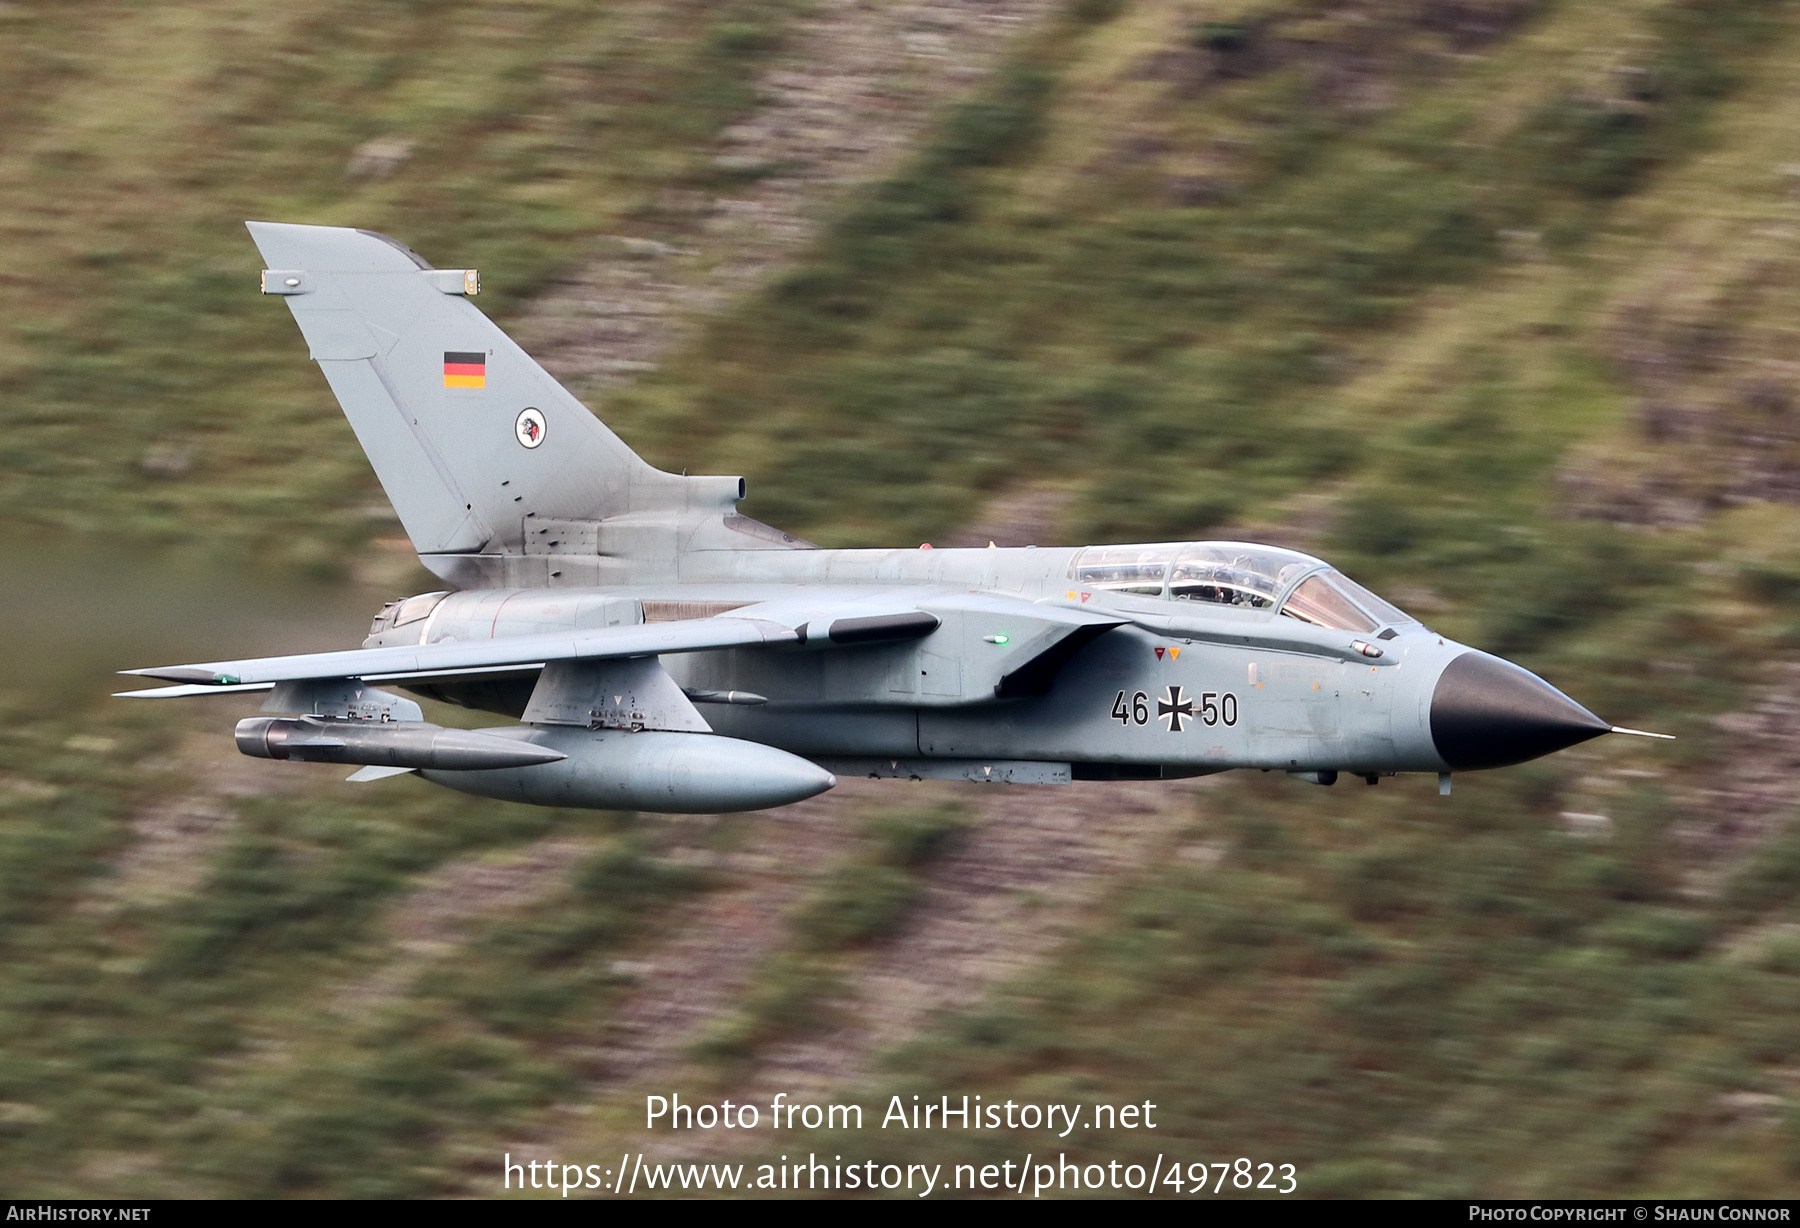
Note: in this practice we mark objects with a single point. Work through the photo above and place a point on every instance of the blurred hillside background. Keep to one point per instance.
(1491, 302)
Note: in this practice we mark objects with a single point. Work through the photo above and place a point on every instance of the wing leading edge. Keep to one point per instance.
(459, 657)
(1022, 645)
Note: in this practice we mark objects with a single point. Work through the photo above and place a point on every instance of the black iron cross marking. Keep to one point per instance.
(1172, 707)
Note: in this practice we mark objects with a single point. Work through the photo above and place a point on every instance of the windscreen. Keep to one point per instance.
(1382, 610)
(1319, 602)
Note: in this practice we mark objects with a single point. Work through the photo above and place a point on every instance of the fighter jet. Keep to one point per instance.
(660, 651)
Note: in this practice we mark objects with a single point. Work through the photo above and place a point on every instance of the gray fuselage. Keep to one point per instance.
(1182, 688)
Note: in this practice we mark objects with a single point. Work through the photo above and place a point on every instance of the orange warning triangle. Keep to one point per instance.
(1174, 654)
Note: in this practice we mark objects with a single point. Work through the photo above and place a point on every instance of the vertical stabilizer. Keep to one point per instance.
(474, 443)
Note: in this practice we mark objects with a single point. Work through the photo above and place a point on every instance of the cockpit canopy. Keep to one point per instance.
(1237, 574)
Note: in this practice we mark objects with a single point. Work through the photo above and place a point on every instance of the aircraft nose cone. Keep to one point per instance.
(1490, 713)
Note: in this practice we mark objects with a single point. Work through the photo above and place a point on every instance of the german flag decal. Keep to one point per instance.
(465, 370)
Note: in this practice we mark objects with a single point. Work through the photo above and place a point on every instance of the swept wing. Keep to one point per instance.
(462, 657)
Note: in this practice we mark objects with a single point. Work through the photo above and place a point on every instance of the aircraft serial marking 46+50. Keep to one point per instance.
(663, 652)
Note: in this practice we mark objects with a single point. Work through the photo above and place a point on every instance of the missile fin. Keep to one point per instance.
(365, 775)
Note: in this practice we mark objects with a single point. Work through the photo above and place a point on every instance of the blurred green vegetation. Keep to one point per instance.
(859, 901)
(256, 1032)
(1482, 299)
(1010, 305)
(1404, 1000)
(1397, 333)
(147, 393)
(466, 1051)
